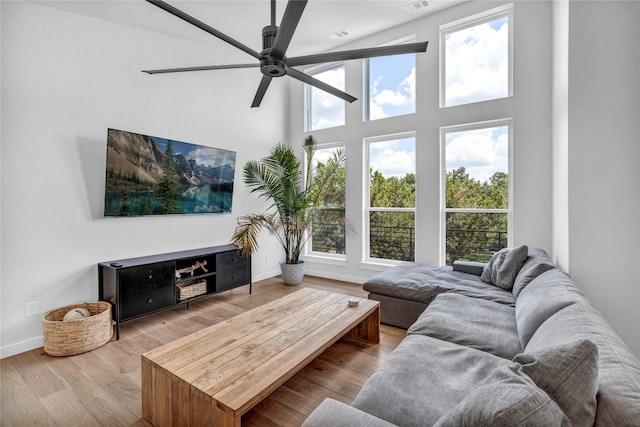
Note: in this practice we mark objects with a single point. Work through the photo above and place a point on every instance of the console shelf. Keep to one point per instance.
(139, 286)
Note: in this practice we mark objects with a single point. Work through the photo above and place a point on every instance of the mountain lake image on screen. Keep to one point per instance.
(147, 175)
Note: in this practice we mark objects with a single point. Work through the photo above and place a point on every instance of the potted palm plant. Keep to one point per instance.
(294, 194)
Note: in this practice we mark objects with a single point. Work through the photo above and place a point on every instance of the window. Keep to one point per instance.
(391, 192)
(328, 228)
(324, 110)
(390, 85)
(476, 190)
(476, 58)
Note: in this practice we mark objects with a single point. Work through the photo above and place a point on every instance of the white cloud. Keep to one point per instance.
(393, 157)
(404, 95)
(211, 156)
(328, 110)
(376, 112)
(477, 64)
(322, 155)
(389, 97)
(479, 151)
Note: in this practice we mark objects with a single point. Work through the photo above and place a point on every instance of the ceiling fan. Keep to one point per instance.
(275, 41)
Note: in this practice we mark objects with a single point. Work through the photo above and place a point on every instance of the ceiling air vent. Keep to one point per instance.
(339, 34)
(415, 6)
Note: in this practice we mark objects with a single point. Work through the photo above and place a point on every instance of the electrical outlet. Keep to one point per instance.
(32, 308)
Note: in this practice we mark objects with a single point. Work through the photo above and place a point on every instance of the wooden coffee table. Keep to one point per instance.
(213, 376)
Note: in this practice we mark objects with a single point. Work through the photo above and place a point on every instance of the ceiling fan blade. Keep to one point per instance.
(193, 21)
(299, 75)
(358, 54)
(290, 20)
(262, 89)
(203, 68)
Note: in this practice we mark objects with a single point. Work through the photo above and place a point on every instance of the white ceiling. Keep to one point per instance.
(243, 19)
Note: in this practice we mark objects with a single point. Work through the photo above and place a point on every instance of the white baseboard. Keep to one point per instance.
(33, 343)
(330, 275)
(21, 347)
(267, 275)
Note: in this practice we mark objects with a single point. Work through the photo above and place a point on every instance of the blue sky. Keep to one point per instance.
(477, 69)
(392, 86)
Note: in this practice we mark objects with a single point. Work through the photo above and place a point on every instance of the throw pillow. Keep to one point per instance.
(504, 266)
(537, 263)
(568, 373)
(507, 399)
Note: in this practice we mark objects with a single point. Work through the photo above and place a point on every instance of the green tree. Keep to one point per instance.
(167, 194)
(392, 233)
(474, 236)
(328, 195)
(125, 205)
(146, 208)
(330, 180)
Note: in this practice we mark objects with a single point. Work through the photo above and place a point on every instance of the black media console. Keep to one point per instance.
(139, 286)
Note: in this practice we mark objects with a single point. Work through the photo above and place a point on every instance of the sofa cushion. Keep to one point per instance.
(504, 266)
(546, 294)
(398, 312)
(537, 262)
(618, 369)
(332, 413)
(508, 398)
(422, 283)
(568, 373)
(469, 267)
(422, 379)
(483, 325)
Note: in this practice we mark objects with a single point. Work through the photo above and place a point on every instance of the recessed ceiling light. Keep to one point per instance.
(339, 34)
(415, 6)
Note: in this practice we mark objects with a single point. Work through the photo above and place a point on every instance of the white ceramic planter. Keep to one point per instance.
(292, 274)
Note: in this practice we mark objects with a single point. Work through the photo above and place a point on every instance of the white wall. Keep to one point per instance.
(603, 159)
(529, 108)
(66, 79)
(560, 126)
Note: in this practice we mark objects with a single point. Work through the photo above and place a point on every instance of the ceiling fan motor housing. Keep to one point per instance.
(270, 66)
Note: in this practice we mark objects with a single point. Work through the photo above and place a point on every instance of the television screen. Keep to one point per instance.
(147, 175)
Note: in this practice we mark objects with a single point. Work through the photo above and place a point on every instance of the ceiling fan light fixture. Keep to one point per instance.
(416, 6)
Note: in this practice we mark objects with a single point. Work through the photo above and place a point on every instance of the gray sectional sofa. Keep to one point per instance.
(529, 350)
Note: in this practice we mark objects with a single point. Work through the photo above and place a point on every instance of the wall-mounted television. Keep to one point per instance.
(147, 175)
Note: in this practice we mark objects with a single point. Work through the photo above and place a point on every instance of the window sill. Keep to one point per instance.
(326, 259)
(379, 265)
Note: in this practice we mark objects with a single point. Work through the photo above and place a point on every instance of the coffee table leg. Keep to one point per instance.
(147, 390)
(369, 328)
(222, 419)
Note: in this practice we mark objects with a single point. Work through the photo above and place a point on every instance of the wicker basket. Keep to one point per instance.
(190, 289)
(77, 336)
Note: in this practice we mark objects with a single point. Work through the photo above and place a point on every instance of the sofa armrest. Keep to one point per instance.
(332, 413)
(470, 267)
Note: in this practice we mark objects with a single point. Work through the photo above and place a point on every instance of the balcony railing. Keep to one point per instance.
(398, 243)
(328, 238)
(392, 242)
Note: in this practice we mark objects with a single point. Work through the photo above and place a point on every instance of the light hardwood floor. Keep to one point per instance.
(102, 387)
